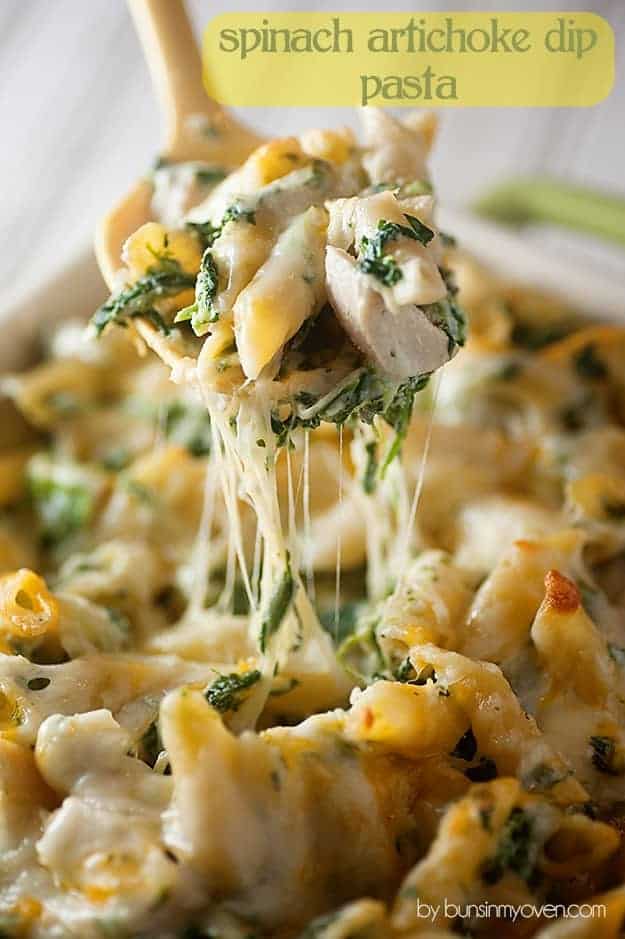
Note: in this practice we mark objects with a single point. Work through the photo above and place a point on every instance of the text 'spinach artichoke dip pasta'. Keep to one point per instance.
(248, 687)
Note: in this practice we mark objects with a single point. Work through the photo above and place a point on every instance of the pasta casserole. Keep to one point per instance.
(325, 637)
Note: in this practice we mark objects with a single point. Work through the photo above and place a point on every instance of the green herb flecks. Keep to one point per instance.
(517, 849)
(277, 607)
(227, 691)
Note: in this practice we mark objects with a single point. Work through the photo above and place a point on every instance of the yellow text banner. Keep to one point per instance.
(556, 59)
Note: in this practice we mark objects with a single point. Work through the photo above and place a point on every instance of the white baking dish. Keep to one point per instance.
(77, 288)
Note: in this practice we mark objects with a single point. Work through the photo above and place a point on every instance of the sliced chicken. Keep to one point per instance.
(401, 344)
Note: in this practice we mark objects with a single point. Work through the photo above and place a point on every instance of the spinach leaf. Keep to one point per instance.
(226, 692)
(277, 608)
(165, 279)
(62, 509)
(517, 849)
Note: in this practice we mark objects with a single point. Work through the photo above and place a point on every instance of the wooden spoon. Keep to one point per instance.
(196, 127)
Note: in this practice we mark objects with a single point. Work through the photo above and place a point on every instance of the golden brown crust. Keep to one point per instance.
(561, 594)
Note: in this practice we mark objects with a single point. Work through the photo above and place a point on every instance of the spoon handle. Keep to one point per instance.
(174, 61)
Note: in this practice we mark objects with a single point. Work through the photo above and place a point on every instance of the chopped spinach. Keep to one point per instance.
(62, 508)
(407, 674)
(383, 268)
(448, 316)
(361, 655)
(517, 849)
(371, 468)
(606, 756)
(189, 426)
(346, 623)
(362, 395)
(374, 261)
(399, 413)
(209, 233)
(202, 313)
(164, 279)
(238, 213)
(226, 692)
(206, 232)
(418, 231)
(588, 365)
(210, 175)
(277, 608)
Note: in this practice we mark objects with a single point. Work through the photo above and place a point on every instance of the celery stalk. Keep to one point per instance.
(536, 200)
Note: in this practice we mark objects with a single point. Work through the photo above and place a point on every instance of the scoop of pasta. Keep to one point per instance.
(314, 270)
